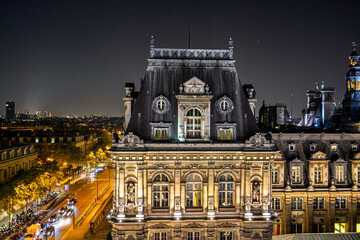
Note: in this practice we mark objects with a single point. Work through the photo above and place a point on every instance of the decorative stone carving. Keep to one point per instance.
(159, 166)
(194, 225)
(160, 225)
(161, 104)
(224, 105)
(258, 142)
(131, 141)
(172, 53)
(194, 166)
(226, 224)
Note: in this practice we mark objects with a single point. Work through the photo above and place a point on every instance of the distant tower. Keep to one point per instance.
(251, 96)
(328, 103)
(351, 101)
(10, 110)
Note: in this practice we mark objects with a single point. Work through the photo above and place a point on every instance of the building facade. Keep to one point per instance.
(315, 180)
(15, 159)
(10, 110)
(191, 165)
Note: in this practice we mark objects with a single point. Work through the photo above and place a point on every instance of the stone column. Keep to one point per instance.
(121, 190)
(140, 192)
(178, 198)
(210, 193)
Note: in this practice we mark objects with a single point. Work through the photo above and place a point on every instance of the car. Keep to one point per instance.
(54, 218)
(69, 212)
(49, 231)
(63, 210)
(71, 201)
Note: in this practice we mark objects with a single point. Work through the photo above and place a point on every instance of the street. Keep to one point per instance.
(85, 195)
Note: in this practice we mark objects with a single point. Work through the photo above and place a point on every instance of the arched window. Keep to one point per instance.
(193, 190)
(226, 190)
(160, 191)
(357, 85)
(193, 123)
(352, 85)
(348, 85)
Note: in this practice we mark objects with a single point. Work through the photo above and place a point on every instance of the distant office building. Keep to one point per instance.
(273, 117)
(10, 110)
(38, 114)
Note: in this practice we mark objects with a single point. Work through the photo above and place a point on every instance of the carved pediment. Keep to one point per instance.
(226, 224)
(318, 155)
(194, 86)
(194, 225)
(258, 142)
(160, 225)
(357, 156)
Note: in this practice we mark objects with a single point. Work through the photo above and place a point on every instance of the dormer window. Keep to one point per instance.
(313, 147)
(292, 147)
(160, 134)
(354, 147)
(340, 174)
(226, 131)
(193, 123)
(295, 173)
(334, 147)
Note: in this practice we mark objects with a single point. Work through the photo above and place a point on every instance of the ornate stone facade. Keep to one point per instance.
(210, 191)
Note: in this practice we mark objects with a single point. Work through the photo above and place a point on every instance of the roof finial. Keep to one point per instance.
(354, 45)
(152, 42)
(231, 46)
(322, 85)
(317, 86)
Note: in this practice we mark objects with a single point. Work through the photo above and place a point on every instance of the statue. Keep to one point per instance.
(256, 191)
(131, 193)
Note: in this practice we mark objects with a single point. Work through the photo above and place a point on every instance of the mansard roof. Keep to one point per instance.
(169, 69)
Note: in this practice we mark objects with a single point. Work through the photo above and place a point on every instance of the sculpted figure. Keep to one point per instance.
(131, 193)
(256, 191)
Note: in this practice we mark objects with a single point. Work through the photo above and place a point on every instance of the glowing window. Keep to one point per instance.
(161, 191)
(317, 175)
(226, 190)
(296, 174)
(193, 236)
(340, 174)
(161, 104)
(193, 190)
(193, 123)
(275, 175)
(160, 133)
(340, 227)
(226, 236)
(226, 134)
(353, 85)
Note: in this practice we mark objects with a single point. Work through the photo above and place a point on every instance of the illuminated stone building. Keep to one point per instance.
(15, 158)
(191, 165)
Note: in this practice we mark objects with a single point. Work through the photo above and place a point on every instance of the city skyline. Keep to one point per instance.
(74, 58)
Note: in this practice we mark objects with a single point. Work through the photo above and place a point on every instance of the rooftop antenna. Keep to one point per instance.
(354, 45)
(189, 32)
(292, 95)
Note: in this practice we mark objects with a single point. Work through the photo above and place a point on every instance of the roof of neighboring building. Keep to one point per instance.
(318, 236)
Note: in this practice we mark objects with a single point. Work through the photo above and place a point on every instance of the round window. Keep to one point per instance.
(224, 105)
(161, 104)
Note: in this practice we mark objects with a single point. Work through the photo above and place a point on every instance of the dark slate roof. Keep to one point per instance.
(323, 144)
(164, 75)
(319, 236)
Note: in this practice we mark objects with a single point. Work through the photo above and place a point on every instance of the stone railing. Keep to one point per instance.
(171, 53)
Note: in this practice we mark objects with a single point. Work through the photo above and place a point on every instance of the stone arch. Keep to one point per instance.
(202, 175)
(154, 174)
(233, 174)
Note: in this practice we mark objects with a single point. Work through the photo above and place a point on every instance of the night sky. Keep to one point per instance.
(74, 57)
